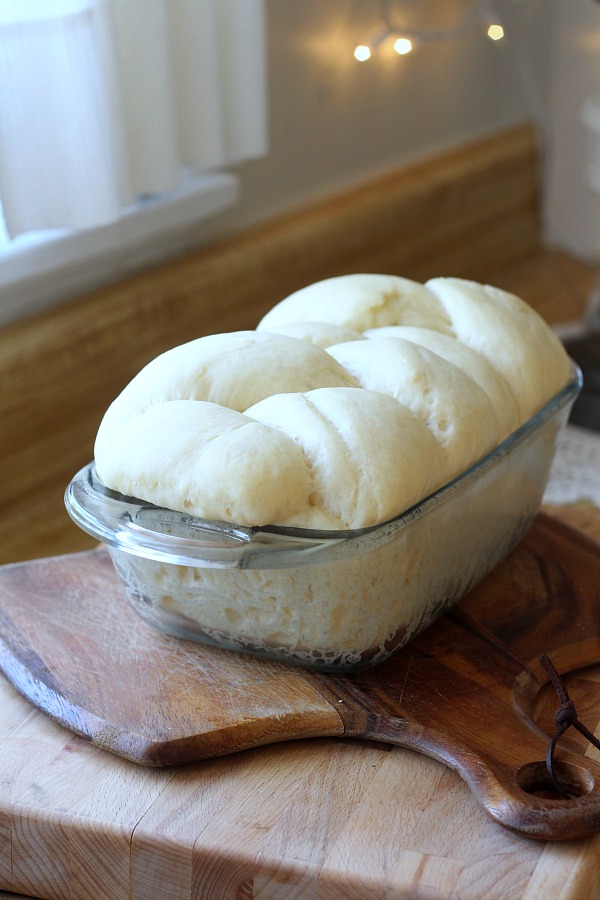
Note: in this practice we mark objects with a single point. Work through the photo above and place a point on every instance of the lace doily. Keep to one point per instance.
(575, 473)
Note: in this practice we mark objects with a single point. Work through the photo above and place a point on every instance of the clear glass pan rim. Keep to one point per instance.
(117, 520)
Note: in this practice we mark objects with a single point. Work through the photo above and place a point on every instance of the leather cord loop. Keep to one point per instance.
(566, 714)
(565, 717)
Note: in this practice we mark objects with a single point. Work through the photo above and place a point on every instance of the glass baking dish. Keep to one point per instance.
(336, 600)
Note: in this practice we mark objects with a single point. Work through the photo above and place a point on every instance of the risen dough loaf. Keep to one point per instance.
(259, 427)
(368, 455)
(452, 406)
(324, 334)
(233, 370)
(360, 302)
(503, 329)
(469, 361)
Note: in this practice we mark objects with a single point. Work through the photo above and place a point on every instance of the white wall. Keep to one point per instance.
(335, 122)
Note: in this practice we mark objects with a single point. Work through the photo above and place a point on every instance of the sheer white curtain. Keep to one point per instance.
(102, 101)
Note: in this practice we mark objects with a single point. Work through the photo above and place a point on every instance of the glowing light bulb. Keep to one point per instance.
(495, 32)
(402, 46)
(362, 53)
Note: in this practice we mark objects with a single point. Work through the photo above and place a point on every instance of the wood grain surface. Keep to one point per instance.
(71, 643)
(464, 692)
(328, 818)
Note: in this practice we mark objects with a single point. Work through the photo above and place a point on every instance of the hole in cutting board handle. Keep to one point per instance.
(575, 781)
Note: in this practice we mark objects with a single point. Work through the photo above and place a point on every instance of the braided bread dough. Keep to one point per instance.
(359, 447)
(455, 409)
(469, 361)
(233, 370)
(323, 334)
(360, 302)
(260, 427)
(499, 326)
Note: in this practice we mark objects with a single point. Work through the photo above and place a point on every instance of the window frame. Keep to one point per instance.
(39, 270)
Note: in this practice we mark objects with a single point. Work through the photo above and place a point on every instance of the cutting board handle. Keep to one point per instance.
(482, 726)
(524, 800)
(506, 771)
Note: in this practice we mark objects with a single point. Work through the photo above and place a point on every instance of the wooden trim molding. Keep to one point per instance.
(472, 212)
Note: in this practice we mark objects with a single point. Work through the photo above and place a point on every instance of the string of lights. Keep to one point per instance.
(404, 40)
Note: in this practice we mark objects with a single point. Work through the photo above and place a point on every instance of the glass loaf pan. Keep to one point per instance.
(339, 601)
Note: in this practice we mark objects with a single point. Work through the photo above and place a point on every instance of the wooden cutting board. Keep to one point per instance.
(464, 692)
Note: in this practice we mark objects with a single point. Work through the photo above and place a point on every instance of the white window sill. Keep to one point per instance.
(41, 270)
